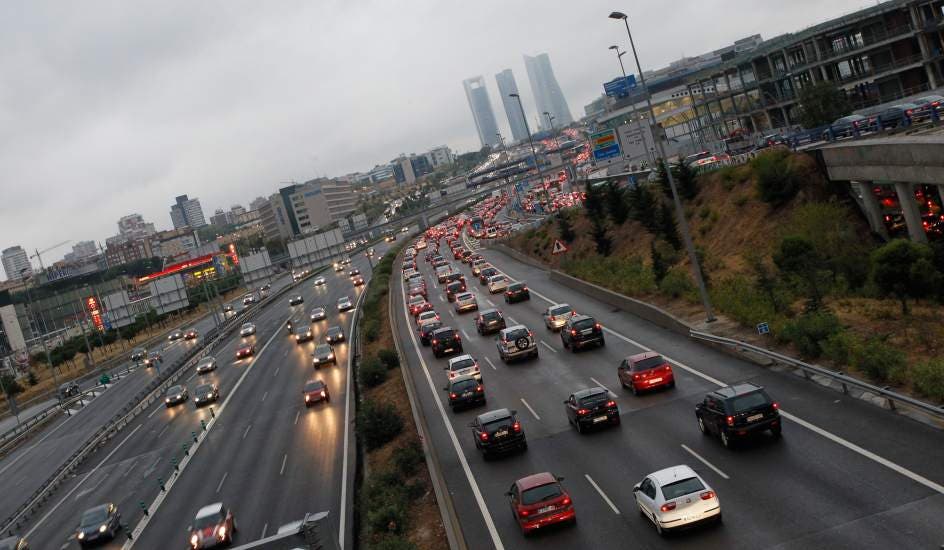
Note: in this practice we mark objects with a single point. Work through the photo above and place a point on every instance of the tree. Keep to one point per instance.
(616, 202)
(778, 180)
(797, 258)
(662, 179)
(905, 270)
(822, 103)
(659, 266)
(644, 208)
(10, 384)
(275, 246)
(603, 241)
(765, 280)
(685, 180)
(594, 203)
(566, 228)
(667, 228)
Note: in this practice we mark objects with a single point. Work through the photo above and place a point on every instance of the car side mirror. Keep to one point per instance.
(471, 424)
(636, 488)
(560, 478)
(514, 412)
(445, 388)
(566, 402)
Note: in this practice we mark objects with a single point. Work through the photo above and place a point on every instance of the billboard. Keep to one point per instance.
(620, 87)
(604, 145)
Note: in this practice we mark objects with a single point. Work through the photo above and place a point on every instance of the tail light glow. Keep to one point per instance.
(611, 403)
(730, 420)
(516, 426)
(707, 495)
(452, 395)
(667, 507)
(483, 436)
(582, 412)
(776, 405)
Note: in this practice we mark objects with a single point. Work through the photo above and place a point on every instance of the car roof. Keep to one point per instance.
(535, 480)
(492, 416)
(322, 347)
(672, 474)
(458, 358)
(335, 328)
(555, 306)
(586, 392)
(463, 378)
(442, 329)
(489, 310)
(209, 510)
(642, 356)
(513, 328)
(176, 386)
(737, 389)
(464, 295)
(580, 317)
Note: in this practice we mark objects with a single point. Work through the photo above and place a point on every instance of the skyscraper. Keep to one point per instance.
(187, 212)
(506, 86)
(15, 261)
(477, 95)
(547, 92)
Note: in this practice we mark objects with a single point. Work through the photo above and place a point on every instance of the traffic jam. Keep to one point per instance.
(673, 498)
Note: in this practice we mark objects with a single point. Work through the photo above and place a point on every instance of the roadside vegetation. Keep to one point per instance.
(395, 507)
(778, 244)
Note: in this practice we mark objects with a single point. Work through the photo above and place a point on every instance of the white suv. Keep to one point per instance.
(463, 365)
(516, 342)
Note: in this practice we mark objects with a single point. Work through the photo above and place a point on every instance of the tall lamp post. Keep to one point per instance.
(679, 212)
(632, 106)
(30, 315)
(534, 153)
(501, 139)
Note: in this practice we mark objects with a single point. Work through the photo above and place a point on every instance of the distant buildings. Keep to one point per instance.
(482, 112)
(83, 249)
(187, 212)
(548, 96)
(440, 156)
(506, 87)
(16, 263)
(119, 253)
(304, 208)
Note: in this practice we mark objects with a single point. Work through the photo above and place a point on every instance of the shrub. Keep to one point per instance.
(31, 378)
(743, 301)
(10, 384)
(740, 201)
(676, 283)
(407, 457)
(880, 361)
(810, 330)
(566, 228)
(393, 542)
(624, 275)
(372, 372)
(378, 423)
(928, 378)
(389, 358)
(778, 180)
(388, 517)
(840, 347)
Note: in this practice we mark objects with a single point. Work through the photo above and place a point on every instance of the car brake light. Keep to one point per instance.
(611, 403)
(708, 495)
(582, 412)
(730, 420)
(775, 405)
(553, 317)
(636, 376)
(573, 332)
(307, 398)
(483, 436)
(668, 506)
(523, 512)
(435, 341)
(479, 389)
(516, 426)
(452, 396)
(524, 288)
(597, 326)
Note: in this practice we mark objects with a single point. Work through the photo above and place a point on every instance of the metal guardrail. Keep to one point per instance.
(892, 398)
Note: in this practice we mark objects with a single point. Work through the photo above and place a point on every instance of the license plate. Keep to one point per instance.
(587, 331)
(754, 417)
(655, 380)
(447, 350)
(501, 433)
(600, 419)
(546, 509)
(467, 394)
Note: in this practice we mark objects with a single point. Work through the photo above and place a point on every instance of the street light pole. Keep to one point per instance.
(42, 337)
(534, 153)
(679, 212)
(632, 106)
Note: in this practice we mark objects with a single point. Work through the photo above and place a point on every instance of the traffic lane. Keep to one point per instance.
(851, 419)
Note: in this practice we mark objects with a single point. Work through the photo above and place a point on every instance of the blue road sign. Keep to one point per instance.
(619, 87)
(763, 328)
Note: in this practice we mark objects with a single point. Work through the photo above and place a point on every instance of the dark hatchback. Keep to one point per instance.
(426, 331)
(736, 412)
(465, 391)
(517, 292)
(486, 273)
(446, 340)
(580, 331)
(591, 407)
(205, 393)
(453, 288)
(98, 524)
(498, 432)
(489, 321)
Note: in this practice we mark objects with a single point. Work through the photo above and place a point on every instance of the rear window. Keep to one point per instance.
(203, 388)
(649, 363)
(584, 323)
(517, 333)
(323, 349)
(541, 493)
(515, 286)
(560, 310)
(463, 364)
(496, 424)
(445, 334)
(592, 400)
(94, 516)
(463, 385)
(175, 390)
(750, 401)
(208, 521)
(431, 326)
(491, 316)
(456, 285)
(681, 488)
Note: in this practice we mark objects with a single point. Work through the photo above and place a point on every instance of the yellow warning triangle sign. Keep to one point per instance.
(559, 247)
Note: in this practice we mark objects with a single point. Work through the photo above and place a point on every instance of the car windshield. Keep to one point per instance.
(206, 361)
(204, 388)
(301, 330)
(247, 325)
(323, 349)
(464, 296)
(593, 399)
(94, 516)
(748, 402)
(489, 271)
(174, 390)
(314, 386)
(541, 493)
(417, 300)
(207, 521)
(560, 310)
(318, 311)
(445, 334)
(454, 286)
(462, 364)
(584, 323)
(463, 385)
(491, 316)
(497, 278)
(334, 330)
(516, 286)
(681, 488)
(649, 363)
(496, 424)
(516, 333)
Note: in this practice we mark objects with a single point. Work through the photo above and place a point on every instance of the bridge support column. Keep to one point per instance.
(873, 212)
(909, 209)
(424, 223)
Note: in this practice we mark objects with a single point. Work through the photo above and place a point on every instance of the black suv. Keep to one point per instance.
(517, 292)
(489, 321)
(486, 273)
(465, 391)
(591, 407)
(426, 331)
(453, 288)
(446, 340)
(498, 432)
(581, 330)
(738, 411)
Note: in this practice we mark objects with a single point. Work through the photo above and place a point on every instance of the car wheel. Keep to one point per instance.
(725, 440)
(602, 343)
(701, 425)
(632, 387)
(579, 427)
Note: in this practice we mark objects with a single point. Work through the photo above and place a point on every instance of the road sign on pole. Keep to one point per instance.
(559, 247)
(604, 145)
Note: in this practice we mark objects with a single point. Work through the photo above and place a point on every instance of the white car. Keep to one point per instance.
(497, 283)
(409, 273)
(426, 317)
(248, 329)
(206, 365)
(676, 497)
(318, 314)
(320, 281)
(345, 304)
(463, 365)
(466, 302)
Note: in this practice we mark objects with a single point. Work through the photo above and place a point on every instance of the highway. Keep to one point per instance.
(25, 469)
(267, 457)
(845, 474)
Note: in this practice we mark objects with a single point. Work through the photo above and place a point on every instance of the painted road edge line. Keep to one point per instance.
(704, 461)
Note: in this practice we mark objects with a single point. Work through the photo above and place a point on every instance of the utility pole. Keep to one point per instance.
(42, 337)
(632, 107)
(534, 153)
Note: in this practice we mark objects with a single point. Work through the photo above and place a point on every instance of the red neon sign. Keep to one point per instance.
(92, 305)
(174, 268)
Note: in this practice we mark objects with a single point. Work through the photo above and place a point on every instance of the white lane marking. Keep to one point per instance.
(245, 433)
(282, 469)
(489, 361)
(192, 376)
(157, 408)
(530, 409)
(276, 373)
(548, 346)
(266, 394)
(513, 322)
(441, 299)
(164, 429)
(452, 313)
(491, 303)
(466, 334)
(220, 486)
(704, 461)
(264, 529)
(296, 417)
(602, 494)
(598, 383)
(79, 484)
(128, 471)
(918, 478)
(476, 492)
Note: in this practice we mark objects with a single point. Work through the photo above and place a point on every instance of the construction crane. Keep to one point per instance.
(39, 253)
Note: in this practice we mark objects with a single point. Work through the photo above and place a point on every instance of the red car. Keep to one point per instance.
(213, 526)
(191, 334)
(245, 351)
(418, 290)
(416, 309)
(645, 371)
(540, 500)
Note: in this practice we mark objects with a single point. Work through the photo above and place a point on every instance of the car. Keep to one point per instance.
(445, 340)
(303, 333)
(418, 289)
(323, 354)
(320, 281)
(497, 283)
(214, 525)
(517, 292)
(334, 334)
(454, 288)
(592, 407)
(485, 273)
(478, 265)
(207, 364)
(465, 391)
(14, 542)
(645, 371)
(539, 500)
(138, 355)
(489, 321)
(463, 365)
(390, 238)
(926, 106)
(191, 334)
(338, 267)
(442, 272)
(895, 116)
(417, 305)
(346, 260)
(315, 391)
(318, 314)
(345, 304)
(358, 281)
(466, 302)
(291, 324)
(455, 276)
(738, 411)
(175, 335)
(515, 342)
(555, 316)
(580, 331)
(248, 329)
(153, 358)
(65, 391)
(354, 272)
(176, 395)
(245, 351)
(249, 299)
(407, 273)
(498, 432)
(426, 330)
(295, 300)
(675, 498)
(426, 317)
(98, 524)
(848, 125)
(205, 393)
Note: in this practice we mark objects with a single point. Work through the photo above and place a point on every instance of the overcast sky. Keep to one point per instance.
(109, 108)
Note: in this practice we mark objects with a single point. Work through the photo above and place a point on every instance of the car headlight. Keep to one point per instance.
(194, 539)
(221, 532)
(307, 398)
(167, 400)
(81, 535)
(103, 528)
(330, 356)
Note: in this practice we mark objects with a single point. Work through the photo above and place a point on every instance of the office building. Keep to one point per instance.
(275, 224)
(506, 86)
(219, 218)
(309, 206)
(133, 226)
(257, 203)
(84, 249)
(548, 96)
(187, 212)
(440, 156)
(595, 108)
(16, 263)
(122, 252)
(482, 112)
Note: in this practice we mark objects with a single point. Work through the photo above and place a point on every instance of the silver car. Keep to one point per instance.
(345, 304)
(466, 302)
(318, 314)
(676, 497)
(207, 364)
(515, 342)
(556, 316)
(497, 283)
(176, 395)
(248, 329)
(320, 281)
(323, 354)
